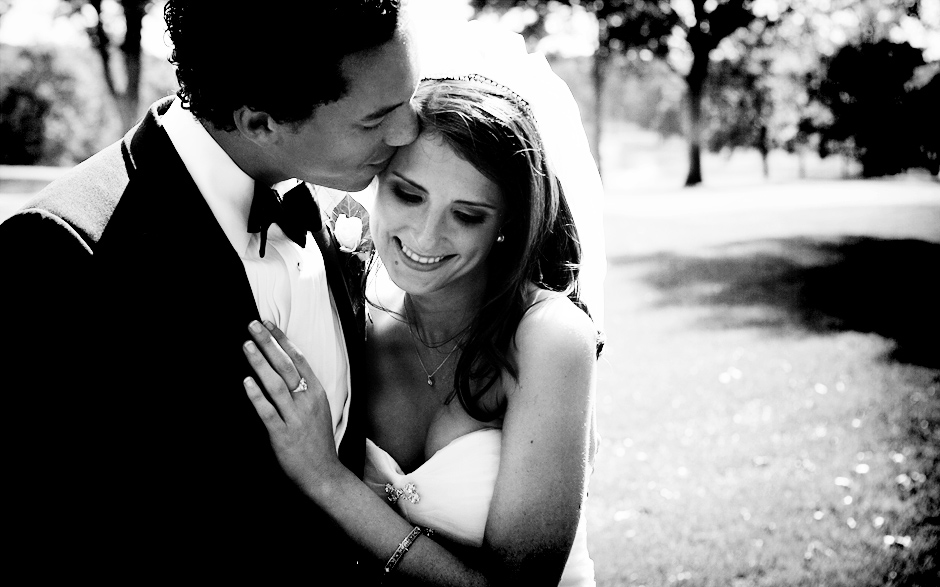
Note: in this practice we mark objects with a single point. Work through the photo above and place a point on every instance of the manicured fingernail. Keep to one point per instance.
(250, 347)
(269, 325)
(255, 327)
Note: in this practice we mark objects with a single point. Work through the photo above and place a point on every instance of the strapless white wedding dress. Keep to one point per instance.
(454, 489)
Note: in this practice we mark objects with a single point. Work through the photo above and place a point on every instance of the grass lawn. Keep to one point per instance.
(769, 400)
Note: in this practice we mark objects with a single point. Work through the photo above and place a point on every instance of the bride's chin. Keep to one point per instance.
(395, 278)
(409, 287)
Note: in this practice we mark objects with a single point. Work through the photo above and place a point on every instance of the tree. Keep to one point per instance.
(51, 107)
(875, 117)
(872, 97)
(709, 24)
(623, 26)
(739, 104)
(121, 40)
(649, 24)
(757, 95)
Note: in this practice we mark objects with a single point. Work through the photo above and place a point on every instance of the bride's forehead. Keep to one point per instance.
(430, 149)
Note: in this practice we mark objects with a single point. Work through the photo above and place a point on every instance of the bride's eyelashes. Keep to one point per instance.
(406, 197)
(464, 217)
(470, 218)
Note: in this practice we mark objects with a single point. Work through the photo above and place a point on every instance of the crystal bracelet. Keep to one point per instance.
(402, 549)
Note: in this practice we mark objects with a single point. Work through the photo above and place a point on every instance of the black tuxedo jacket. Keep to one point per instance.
(131, 443)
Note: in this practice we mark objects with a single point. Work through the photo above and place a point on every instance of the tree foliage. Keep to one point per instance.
(55, 108)
(622, 24)
(51, 109)
(756, 94)
(877, 116)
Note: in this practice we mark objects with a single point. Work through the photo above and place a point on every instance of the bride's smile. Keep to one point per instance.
(417, 258)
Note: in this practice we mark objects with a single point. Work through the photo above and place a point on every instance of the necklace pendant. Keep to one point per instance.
(431, 380)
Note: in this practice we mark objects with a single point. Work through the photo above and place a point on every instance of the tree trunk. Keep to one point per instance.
(598, 77)
(126, 99)
(130, 48)
(695, 81)
(763, 146)
(763, 133)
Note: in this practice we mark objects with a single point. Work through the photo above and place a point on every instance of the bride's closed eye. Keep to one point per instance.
(468, 218)
(405, 196)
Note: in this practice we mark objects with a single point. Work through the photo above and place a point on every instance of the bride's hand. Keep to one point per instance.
(299, 423)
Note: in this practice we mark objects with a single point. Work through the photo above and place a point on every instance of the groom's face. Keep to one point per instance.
(347, 142)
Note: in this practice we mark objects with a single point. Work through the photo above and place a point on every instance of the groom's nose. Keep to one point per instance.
(401, 127)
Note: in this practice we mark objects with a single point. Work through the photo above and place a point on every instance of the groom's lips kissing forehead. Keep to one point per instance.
(381, 163)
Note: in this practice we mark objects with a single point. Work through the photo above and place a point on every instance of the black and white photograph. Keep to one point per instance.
(580, 293)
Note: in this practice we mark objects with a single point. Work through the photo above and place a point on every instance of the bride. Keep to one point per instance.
(482, 359)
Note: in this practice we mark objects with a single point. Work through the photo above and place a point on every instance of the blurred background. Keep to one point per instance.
(768, 399)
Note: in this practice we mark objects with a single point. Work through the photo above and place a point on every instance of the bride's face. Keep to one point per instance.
(436, 218)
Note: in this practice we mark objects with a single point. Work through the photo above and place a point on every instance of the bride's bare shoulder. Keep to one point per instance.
(554, 323)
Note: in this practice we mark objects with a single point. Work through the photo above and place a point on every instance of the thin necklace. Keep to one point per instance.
(414, 343)
(433, 373)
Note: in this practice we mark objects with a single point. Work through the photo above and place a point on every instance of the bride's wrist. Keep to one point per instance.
(325, 484)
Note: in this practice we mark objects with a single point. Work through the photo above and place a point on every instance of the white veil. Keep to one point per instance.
(502, 56)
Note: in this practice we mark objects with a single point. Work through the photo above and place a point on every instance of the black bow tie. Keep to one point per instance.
(295, 212)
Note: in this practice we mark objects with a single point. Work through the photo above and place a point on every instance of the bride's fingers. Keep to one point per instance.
(296, 357)
(277, 357)
(272, 382)
(270, 417)
(280, 363)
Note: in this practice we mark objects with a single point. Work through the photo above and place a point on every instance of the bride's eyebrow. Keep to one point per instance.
(410, 182)
(477, 204)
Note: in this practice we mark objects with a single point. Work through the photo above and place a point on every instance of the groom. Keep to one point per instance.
(129, 285)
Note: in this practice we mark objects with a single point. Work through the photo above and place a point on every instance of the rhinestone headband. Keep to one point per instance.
(476, 77)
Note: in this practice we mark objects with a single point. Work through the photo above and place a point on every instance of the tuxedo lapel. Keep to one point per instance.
(164, 220)
(177, 224)
(351, 450)
(170, 269)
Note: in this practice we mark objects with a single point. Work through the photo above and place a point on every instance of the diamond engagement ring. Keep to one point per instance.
(302, 386)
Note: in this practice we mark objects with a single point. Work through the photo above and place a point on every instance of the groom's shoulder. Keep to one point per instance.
(82, 201)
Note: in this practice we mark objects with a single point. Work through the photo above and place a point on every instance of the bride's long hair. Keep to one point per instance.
(493, 129)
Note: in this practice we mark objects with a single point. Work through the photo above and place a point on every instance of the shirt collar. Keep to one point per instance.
(226, 188)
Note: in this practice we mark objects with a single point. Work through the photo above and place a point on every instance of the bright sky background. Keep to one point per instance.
(33, 21)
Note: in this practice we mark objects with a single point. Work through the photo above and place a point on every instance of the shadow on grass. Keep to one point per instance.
(857, 284)
(860, 284)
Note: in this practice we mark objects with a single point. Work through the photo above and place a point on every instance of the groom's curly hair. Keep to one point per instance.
(281, 57)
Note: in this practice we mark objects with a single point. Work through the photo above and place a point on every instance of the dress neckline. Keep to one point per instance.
(438, 452)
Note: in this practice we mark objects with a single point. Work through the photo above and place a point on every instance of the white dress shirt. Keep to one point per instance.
(289, 283)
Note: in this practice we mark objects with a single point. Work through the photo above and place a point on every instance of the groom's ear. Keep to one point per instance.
(255, 125)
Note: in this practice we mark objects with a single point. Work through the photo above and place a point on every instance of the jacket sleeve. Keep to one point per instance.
(43, 263)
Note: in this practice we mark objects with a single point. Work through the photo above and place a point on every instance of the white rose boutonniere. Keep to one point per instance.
(348, 232)
(350, 222)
